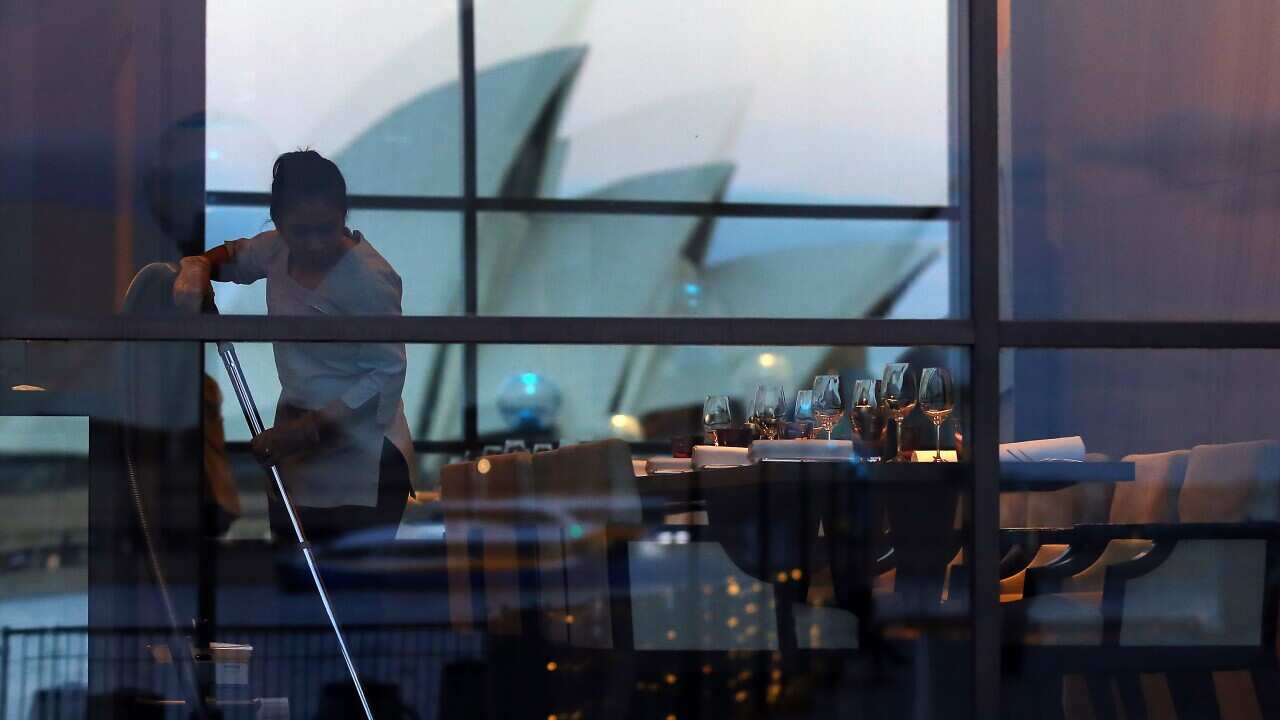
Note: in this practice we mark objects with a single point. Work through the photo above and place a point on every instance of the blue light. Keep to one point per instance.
(214, 154)
(530, 381)
(692, 288)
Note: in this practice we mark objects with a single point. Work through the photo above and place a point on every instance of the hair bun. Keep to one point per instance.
(305, 174)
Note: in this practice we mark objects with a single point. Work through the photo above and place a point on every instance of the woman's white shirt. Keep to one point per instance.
(363, 375)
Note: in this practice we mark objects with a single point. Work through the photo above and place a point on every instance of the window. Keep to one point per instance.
(1076, 221)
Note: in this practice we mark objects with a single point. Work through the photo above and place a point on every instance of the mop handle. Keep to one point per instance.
(251, 416)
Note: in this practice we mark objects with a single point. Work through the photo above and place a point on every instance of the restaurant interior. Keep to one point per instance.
(734, 360)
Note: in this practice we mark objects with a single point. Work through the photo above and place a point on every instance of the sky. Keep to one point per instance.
(824, 101)
(817, 100)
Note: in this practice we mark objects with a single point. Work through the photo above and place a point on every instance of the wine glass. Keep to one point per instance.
(899, 395)
(828, 406)
(937, 399)
(716, 417)
(804, 411)
(864, 407)
(770, 406)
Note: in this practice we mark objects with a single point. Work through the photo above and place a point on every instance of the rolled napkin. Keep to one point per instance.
(932, 455)
(1064, 448)
(659, 464)
(801, 450)
(711, 456)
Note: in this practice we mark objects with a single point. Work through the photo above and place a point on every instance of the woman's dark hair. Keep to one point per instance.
(304, 175)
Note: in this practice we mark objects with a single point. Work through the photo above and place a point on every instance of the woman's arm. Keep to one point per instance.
(194, 273)
(242, 261)
(301, 434)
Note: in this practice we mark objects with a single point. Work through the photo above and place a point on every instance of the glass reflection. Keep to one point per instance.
(1159, 208)
(388, 114)
(767, 104)
(676, 266)
(548, 566)
(1135, 570)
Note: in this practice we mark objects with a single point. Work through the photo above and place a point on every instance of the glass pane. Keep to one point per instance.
(430, 372)
(100, 478)
(103, 143)
(838, 103)
(671, 266)
(546, 574)
(1138, 158)
(1169, 568)
(375, 91)
(423, 248)
(653, 393)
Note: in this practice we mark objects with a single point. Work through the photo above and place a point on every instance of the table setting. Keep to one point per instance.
(801, 428)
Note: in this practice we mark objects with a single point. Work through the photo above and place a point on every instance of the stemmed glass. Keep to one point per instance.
(804, 411)
(864, 407)
(899, 395)
(770, 406)
(716, 416)
(937, 400)
(828, 406)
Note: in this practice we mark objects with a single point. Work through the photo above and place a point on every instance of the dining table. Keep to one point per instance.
(781, 521)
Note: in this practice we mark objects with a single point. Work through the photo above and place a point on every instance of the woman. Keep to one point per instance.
(340, 437)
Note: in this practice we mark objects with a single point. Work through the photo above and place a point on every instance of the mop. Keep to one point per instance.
(251, 416)
(151, 282)
(162, 275)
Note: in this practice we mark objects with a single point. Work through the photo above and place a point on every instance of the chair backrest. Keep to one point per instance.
(506, 482)
(455, 502)
(526, 540)
(581, 490)
(1211, 591)
(1082, 503)
(1152, 495)
(1236, 482)
(485, 507)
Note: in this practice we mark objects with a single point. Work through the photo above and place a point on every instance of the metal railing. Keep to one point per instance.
(55, 672)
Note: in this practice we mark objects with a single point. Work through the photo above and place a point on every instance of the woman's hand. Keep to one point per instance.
(286, 440)
(192, 284)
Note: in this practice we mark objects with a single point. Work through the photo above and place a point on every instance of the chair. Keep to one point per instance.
(1185, 597)
(1151, 497)
(766, 518)
(536, 558)
(483, 518)
(455, 503)
(1081, 503)
(533, 532)
(588, 505)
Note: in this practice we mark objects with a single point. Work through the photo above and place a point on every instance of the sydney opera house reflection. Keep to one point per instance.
(490, 540)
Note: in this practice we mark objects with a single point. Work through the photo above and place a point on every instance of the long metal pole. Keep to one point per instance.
(232, 363)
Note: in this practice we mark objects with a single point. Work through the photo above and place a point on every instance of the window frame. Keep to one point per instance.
(974, 210)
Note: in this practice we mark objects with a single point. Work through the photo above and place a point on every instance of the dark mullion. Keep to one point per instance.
(493, 330)
(459, 447)
(467, 70)
(355, 200)
(643, 331)
(569, 206)
(980, 164)
(1149, 335)
(719, 209)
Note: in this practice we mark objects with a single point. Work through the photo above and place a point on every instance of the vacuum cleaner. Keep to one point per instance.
(154, 284)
